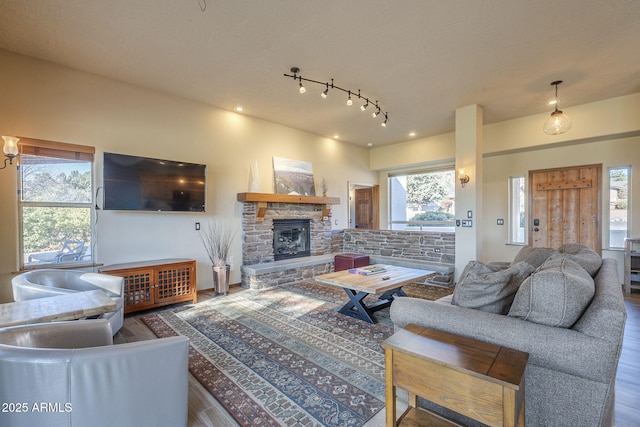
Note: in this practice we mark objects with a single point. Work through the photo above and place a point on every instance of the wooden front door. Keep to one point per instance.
(565, 207)
(367, 208)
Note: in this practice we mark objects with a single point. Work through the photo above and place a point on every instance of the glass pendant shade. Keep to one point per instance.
(556, 124)
(10, 145)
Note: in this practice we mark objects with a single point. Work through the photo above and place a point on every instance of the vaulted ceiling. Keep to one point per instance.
(421, 59)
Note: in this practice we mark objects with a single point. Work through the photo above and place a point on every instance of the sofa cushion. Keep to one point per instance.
(482, 287)
(556, 294)
(534, 256)
(584, 256)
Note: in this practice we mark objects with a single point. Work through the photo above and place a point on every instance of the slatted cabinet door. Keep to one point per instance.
(173, 284)
(565, 207)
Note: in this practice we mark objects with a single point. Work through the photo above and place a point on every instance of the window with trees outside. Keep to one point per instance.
(618, 206)
(422, 200)
(56, 200)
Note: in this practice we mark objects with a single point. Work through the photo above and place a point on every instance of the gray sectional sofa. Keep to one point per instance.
(564, 307)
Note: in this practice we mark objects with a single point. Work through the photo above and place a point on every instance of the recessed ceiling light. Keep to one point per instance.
(336, 136)
(239, 108)
(412, 134)
(370, 144)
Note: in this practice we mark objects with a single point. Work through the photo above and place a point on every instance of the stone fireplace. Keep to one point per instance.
(291, 238)
(258, 235)
(261, 213)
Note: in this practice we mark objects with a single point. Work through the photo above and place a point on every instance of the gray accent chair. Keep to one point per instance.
(51, 282)
(69, 374)
(570, 377)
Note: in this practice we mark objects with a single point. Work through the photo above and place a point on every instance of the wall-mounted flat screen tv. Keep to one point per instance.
(133, 183)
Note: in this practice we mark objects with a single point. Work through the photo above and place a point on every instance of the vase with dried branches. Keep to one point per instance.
(217, 238)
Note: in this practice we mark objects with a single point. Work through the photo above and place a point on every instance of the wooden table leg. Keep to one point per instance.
(390, 390)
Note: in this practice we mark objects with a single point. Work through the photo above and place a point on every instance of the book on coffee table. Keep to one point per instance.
(367, 270)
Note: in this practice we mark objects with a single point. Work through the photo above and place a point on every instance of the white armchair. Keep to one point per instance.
(70, 374)
(51, 282)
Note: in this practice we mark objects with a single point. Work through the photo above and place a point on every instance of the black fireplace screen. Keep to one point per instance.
(291, 238)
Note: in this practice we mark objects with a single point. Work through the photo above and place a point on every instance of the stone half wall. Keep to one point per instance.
(418, 245)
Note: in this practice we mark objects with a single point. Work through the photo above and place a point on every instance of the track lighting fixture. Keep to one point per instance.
(558, 122)
(295, 75)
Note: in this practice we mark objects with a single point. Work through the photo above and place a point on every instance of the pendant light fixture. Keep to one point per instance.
(558, 122)
(351, 95)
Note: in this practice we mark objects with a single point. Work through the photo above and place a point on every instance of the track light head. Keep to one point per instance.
(302, 89)
(386, 119)
(349, 101)
(325, 92)
(364, 107)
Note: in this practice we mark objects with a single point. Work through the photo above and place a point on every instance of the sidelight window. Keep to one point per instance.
(618, 206)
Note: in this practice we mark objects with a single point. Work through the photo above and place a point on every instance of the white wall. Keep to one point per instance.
(50, 102)
(604, 132)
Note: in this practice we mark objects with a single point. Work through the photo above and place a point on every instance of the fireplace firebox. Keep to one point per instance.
(291, 238)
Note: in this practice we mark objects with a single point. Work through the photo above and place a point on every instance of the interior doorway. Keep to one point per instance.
(566, 207)
(364, 206)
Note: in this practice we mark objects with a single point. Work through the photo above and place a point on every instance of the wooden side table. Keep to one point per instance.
(482, 381)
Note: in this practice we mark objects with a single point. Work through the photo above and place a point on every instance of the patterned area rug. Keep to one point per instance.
(284, 357)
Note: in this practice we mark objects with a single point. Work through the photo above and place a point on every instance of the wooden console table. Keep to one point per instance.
(72, 306)
(149, 284)
(482, 381)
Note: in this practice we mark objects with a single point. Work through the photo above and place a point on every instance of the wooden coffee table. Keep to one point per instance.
(387, 284)
(480, 380)
(71, 306)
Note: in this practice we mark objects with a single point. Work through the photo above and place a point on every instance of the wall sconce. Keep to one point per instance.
(10, 149)
(464, 178)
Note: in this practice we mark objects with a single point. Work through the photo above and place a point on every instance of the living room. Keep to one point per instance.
(48, 101)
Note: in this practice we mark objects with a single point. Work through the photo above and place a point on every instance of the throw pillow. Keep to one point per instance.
(484, 288)
(555, 295)
(534, 256)
(586, 258)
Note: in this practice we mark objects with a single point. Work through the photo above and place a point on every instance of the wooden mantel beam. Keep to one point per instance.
(261, 199)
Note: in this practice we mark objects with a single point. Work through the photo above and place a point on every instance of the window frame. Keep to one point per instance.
(53, 149)
(440, 168)
(514, 211)
(607, 213)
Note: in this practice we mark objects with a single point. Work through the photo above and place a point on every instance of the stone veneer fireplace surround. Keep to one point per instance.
(257, 243)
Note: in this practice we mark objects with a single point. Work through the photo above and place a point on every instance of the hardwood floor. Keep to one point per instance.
(205, 411)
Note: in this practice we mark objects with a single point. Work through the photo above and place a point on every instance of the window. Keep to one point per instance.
(517, 212)
(422, 200)
(618, 206)
(56, 200)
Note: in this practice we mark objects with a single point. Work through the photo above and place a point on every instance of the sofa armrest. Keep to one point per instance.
(111, 284)
(564, 350)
